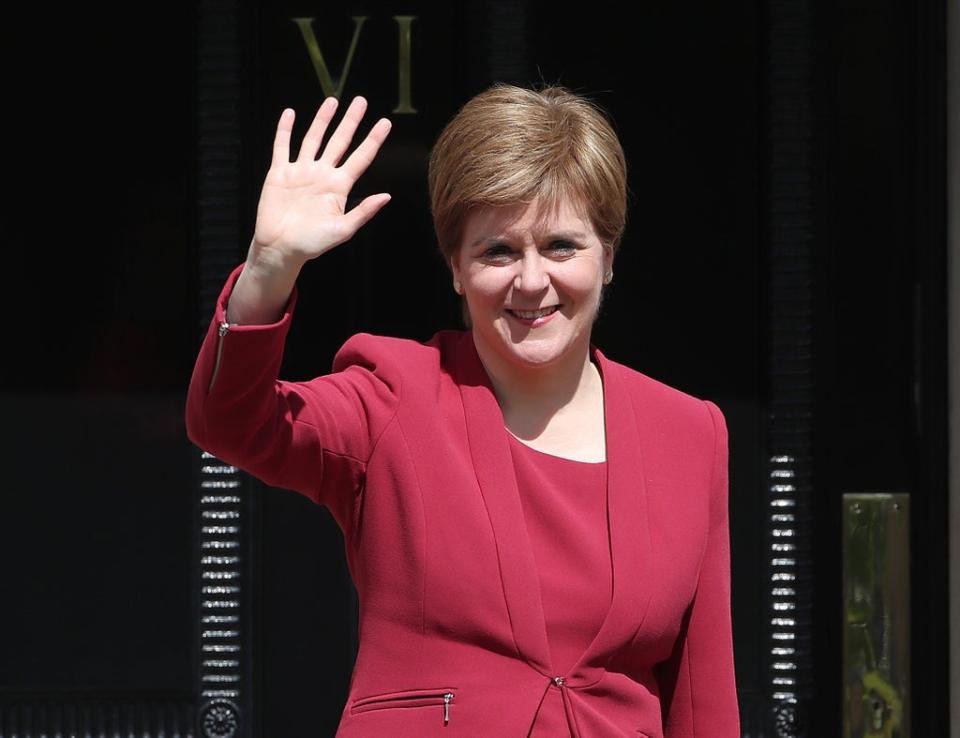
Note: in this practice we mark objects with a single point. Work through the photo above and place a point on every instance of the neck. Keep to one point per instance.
(539, 392)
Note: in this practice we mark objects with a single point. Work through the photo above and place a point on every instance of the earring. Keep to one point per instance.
(608, 278)
(457, 287)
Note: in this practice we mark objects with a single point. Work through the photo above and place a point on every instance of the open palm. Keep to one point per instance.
(301, 213)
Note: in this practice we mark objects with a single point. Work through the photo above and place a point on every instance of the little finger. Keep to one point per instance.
(281, 141)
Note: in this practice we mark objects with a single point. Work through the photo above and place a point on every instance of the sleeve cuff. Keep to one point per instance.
(220, 310)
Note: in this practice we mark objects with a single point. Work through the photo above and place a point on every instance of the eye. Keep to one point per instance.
(498, 251)
(562, 247)
(502, 251)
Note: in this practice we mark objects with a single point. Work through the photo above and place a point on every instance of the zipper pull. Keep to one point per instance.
(446, 707)
(222, 330)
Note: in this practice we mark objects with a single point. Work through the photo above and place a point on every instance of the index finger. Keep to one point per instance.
(357, 163)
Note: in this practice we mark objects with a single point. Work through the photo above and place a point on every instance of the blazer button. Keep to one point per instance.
(558, 680)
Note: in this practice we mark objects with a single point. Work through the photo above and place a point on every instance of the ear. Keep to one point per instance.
(454, 267)
(607, 258)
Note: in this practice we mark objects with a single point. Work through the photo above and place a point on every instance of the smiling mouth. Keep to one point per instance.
(533, 314)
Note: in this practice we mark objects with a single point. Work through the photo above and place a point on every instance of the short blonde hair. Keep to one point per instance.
(509, 145)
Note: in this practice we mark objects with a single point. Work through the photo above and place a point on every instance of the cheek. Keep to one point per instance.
(581, 282)
(488, 287)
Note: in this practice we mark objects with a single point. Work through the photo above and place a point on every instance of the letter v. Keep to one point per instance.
(316, 57)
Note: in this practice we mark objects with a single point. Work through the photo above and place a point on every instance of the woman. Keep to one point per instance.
(538, 534)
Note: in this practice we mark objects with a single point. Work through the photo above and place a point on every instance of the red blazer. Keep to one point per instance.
(405, 444)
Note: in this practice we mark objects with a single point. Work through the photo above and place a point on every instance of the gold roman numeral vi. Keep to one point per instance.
(334, 87)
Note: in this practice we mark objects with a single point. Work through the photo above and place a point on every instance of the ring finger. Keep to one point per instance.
(311, 142)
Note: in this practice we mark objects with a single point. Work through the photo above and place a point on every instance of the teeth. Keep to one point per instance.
(533, 314)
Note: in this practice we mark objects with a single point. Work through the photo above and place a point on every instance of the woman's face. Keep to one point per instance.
(515, 260)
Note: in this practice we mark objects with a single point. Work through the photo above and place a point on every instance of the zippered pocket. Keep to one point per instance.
(436, 698)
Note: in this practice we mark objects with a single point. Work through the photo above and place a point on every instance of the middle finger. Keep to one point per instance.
(341, 137)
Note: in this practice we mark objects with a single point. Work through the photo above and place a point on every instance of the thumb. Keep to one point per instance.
(365, 210)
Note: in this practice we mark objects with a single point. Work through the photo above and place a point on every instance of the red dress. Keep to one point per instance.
(565, 510)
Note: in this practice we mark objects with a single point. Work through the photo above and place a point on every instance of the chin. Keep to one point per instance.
(535, 358)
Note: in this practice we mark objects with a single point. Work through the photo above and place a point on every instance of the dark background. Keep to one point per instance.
(105, 317)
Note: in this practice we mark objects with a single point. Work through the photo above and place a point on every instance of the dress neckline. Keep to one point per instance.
(561, 459)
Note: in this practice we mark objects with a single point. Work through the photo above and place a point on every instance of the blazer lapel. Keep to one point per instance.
(627, 505)
(498, 483)
(628, 523)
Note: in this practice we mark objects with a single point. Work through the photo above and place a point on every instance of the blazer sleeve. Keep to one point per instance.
(698, 683)
(313, 437)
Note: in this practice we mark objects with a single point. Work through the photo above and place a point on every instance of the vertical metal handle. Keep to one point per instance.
(876, 634)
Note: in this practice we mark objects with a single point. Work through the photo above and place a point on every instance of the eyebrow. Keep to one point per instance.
(559, 234)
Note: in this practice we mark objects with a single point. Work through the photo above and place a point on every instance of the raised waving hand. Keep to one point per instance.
(302, 209)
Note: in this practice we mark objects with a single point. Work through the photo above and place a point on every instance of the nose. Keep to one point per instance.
(533, 275)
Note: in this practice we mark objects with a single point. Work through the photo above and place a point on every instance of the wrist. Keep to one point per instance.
(262, 289)
(270, 264)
